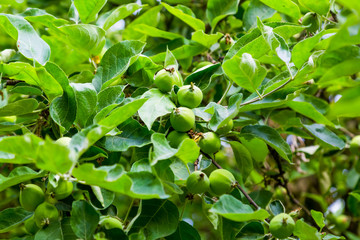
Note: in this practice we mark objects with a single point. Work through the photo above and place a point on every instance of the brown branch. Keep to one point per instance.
(347, 132)
(196, 164)
(11, 82)
(284, 182)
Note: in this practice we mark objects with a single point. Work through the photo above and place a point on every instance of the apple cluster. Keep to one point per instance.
(34, 199)
(183, 122)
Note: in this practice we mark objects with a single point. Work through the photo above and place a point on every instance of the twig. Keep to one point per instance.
(226, 92)
(267, 94)
(251, 201)
(347, 132)
(128, 212)
(12, 82)
(196, 164)
(284, 183)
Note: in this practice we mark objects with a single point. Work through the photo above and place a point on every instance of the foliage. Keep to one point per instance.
(282, 97)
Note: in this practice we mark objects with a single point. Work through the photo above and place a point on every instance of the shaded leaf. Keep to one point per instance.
(216, 10)
(159, 218)
(17, 176)
(115, 62)
(11, 217)
(271, 137)
(84, 219)
(325, 136)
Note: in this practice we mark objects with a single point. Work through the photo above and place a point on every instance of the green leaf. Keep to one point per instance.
(61, 160)
(11, 217)
(143, 185)
(262, 197)
(40, 16)
(345, 68)
(119, 13)
(33, 76)
(188, 151)
(276, 43)
(17, 176)
(86, 38)
(311, 107)
(151, 17)
(321, 7)
(26, 90)
(287, 7)
(84, 219)
(62, 109)
(158, 218)
(222, 115)
(353, 4)
(185, 51)
(254, 10)
(252, 230)
(184, 231)
(115, 62)
(110, 95)
(155, 32)
(319, 218)
(304, 231)
(277, 98)
(271, 137)
(86, 99)
(202, 77)
(204, 39)
(103, 198)
(348, 34)
(193, 22)
(257, 148)
(29, 43)
(20, 107)
(88, 136)
(53, 231)
(302, 50)
(325, 136)
(88, 9)
(276, 207)
(243, 159)
(348, 105)
(158, 104)
(141, 72)
(19, 149)
(132, 135)
(231, 208)
(245, 71)
(217, 10)
(170, 60)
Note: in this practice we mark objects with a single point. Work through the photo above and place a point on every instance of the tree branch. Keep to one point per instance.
(284, 182)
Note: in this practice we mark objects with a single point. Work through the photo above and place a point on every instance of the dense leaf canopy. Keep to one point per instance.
(82, 118)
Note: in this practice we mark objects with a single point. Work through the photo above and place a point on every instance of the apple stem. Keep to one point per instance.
(192, 86)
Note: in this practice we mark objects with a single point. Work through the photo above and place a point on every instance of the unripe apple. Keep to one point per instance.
(221, 181)
(282, 226)
(197, 182)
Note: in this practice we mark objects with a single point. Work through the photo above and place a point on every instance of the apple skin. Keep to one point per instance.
(282, 226)
(197, 182)
(221, 182)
